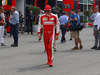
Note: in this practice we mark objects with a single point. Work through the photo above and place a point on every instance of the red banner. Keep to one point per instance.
(8, 7)
(67, 5)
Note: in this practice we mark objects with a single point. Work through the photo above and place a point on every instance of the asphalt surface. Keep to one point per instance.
(30, 59)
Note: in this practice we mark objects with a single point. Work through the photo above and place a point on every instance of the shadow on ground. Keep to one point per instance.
(34, 68)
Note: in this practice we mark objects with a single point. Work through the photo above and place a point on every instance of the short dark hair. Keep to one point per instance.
(96, 7)
(0, 8)
(72, 10)
(63, 13)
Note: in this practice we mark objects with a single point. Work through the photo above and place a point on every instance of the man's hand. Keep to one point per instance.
(71, 19)
(39, 36)
(56, 38)
(97, 30)
(2, 23)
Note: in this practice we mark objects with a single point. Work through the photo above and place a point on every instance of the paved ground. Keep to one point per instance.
(29, 58)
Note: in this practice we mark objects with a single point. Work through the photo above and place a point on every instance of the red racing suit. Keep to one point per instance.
(49, 24)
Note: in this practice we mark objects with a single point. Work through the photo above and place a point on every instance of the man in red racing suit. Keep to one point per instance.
(49, 22)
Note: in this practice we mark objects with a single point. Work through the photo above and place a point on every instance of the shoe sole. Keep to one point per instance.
(75, 49)
(81, 48)
(50, 65)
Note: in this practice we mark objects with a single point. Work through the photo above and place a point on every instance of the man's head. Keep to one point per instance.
(0, 10)
(3, 10)
(13, 8)
(63, 13)
(72, 11)
(40, 11)
(96, 9)
(31, 12)
(47, 9)
(19, 12)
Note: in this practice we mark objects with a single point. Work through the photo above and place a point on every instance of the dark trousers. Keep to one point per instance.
(15, 33)
(30, 27)
(97, 37)
(63, 31)
(11, 33)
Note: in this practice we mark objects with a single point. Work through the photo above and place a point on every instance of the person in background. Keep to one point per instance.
(2, 27)
(10, 18)
(96, 18)
(75, 34)
(15, 22)
(54, 11)
(31, 19)
(63, 25)
(21, 18)
(71, 37)
(37, 21)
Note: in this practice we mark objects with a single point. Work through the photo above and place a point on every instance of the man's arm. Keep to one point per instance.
(1, 21)
(92, 16)
(75, 19)
(57, 27)
(16, 17)
(98, 26)
(39, 28)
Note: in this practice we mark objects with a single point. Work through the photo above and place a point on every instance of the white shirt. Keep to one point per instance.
(3, 16)
(97, 20)
(92, 17)
(10, 18)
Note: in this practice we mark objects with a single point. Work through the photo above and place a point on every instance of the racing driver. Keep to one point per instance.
(49, 22)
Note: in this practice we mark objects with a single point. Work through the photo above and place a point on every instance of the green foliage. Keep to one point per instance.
(34, 23)
(36, 10)
(87, 13)
(57, 8)
(85, 21)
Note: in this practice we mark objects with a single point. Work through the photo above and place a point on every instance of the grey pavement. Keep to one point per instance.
(29, 58)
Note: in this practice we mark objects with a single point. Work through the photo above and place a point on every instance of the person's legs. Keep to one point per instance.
(51, 50)
(95, 36)
(62, 31)
(49, 47)
(21, 28)
(46, 45)
(15, 34)
(79, 40)
(99, 39)
(11, 29)
(64, 34)
(96, 40)
(2, 35)
(76, 42)
(31, 28)
(70, 35)
(28, 30)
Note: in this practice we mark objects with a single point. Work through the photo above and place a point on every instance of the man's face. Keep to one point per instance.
(72, 12)
(12, 10)
(95, 10)
(2, 10)
(31, 12)
(48, 12)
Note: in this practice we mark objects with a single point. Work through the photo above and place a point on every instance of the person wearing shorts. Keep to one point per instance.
(75, 34)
